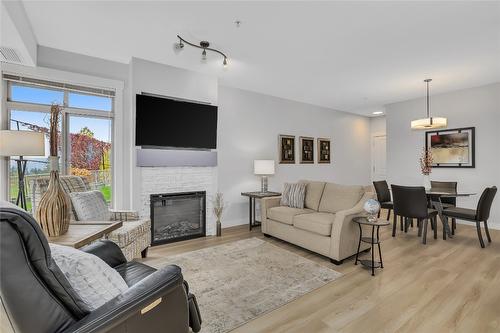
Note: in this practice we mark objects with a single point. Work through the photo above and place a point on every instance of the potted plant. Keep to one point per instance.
(426, 167)
(218, 208)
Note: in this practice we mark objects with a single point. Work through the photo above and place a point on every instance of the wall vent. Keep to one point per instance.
(9, 55)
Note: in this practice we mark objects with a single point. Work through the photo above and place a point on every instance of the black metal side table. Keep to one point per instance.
(251, 212)
(361, 220)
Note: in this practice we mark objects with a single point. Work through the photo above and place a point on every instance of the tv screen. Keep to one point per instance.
(164, 122)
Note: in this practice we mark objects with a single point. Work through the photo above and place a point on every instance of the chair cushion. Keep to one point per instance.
(133, 272)
(293, 195)
(90, 206)
(339, 197)
(129, 232)
(460, 213)
(314, 191)
(319, 223)
(92, 279)
(285, 214)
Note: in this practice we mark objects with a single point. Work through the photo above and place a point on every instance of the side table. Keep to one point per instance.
(251, 212)
(361, 220)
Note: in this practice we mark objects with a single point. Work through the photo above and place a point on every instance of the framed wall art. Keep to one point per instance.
(452, 148)
(287, 149)
(306, 150)
(324, 150)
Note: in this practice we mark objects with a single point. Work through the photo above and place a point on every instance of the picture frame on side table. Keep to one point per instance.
(306, 150)
(286, 149)
(452, 148)
(324, 151)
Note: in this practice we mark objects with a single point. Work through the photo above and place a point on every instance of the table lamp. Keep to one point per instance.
(21, 143)
(263, 168)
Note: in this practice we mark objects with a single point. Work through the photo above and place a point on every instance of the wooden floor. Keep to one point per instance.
(444, 286)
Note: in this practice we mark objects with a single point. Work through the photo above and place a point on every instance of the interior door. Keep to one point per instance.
(379, 157)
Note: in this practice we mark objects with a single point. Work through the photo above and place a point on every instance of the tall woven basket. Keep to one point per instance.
(53, 210)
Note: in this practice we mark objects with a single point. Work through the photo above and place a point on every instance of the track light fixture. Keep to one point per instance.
(204, 45)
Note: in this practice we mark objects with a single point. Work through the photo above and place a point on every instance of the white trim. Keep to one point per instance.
(372, 153)
(43, 73)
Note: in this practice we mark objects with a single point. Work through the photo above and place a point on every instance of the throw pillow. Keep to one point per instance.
(294, 195)
(92, 279)
(90, 206)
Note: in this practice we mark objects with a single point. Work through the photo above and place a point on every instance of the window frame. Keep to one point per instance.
(66, 113)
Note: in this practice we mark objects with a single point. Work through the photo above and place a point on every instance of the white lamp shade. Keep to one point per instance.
(22, 143)
(263, 167)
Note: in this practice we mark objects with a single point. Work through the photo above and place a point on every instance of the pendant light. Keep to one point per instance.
(429, 122)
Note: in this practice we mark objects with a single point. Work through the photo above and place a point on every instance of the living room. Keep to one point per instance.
(248, 165)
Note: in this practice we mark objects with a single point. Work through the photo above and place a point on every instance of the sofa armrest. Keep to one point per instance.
(108, 251)
(124, 215)
(156, 302)
(266, 203)
(344, 234)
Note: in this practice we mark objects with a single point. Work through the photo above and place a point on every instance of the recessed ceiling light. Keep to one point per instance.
(377, 112)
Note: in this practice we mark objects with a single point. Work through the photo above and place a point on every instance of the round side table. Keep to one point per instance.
(361, 220)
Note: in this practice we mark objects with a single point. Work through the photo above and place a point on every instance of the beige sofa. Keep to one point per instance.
(325, 224)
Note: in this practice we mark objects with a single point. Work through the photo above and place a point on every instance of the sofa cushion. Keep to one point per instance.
(90, 206)
(285, 214)
(340, 197)
(92, 279)
(314, 191)
(319, 223)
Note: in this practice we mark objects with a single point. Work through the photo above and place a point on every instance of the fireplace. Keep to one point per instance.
(177, 216)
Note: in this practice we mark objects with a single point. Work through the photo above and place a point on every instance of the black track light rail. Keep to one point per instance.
(201, 47)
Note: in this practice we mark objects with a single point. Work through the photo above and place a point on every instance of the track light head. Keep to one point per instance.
(224, 63)
(178, 47)
(204, 55)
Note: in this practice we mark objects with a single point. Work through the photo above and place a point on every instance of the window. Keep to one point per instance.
(86, 131)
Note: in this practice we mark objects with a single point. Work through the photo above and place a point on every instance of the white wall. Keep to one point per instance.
(249, 125)
(478, 107)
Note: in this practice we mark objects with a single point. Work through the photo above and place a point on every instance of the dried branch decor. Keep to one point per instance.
(218, 209)
(53, 211)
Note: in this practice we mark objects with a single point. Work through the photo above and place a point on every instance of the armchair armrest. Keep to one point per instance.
(108, 251)
(124, 215)
(156, 302)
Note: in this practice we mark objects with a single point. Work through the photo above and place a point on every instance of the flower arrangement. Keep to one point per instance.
(218, 209)
(426, 162)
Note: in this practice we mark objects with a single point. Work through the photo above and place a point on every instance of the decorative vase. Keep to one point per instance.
(52, 212)
(427, 182)
(218, 228)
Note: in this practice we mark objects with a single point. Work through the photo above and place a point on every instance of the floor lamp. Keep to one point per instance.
(21, 143)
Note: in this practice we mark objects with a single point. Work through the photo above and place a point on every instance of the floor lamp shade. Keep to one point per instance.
(22, 143)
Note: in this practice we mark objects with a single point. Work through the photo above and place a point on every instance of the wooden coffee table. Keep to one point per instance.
(83, 233)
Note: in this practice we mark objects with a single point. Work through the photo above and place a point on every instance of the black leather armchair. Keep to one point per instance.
(37, 297)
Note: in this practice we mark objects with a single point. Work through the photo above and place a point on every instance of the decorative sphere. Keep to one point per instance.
(371, 206)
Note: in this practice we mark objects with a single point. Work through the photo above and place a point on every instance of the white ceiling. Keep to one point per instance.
(351, 56)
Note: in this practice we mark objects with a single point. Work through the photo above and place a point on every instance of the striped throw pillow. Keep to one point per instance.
(293, 195)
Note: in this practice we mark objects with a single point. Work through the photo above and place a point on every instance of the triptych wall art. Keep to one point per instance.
(286, 147)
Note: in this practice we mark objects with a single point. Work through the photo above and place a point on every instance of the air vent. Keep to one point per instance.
(9, 55)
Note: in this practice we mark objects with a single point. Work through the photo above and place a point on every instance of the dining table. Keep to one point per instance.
(434, 197)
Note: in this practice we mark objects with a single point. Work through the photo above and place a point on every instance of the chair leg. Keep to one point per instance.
(389, 215)
(394, 225)
(424, 236)
(435, 227)
(144, 253)
(378, 215)
(487, 231)
(479, 235)
(411, 223)
(401, 221)
(419, 225)
(453, 225)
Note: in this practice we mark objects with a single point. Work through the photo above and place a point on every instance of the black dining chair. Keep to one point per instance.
(447, 202)
(410, 202)
(384, 196)
(478, 215)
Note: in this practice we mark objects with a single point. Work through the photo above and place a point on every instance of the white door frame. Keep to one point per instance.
(372, 144)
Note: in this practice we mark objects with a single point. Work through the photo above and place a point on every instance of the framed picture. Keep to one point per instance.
(306, 150)
(287, 149)
(324, 150)
(452, 148)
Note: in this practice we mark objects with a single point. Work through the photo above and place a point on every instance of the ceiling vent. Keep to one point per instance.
(10, 55)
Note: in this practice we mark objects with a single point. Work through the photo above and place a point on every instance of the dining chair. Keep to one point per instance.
(478, 215)
(410, 202)
(447, 202)
(384, 196)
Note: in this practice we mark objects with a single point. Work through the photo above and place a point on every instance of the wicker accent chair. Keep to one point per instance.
(133, 238)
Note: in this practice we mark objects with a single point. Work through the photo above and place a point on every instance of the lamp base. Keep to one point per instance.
(263, 184)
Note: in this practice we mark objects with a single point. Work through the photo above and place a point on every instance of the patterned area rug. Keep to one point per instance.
(236, 282)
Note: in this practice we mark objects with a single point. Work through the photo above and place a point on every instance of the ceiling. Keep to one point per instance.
(350, 56)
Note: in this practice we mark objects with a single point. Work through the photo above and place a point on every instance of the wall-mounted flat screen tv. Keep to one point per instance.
(163, 122)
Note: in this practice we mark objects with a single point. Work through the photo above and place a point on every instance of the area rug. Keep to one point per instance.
(236, 282)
